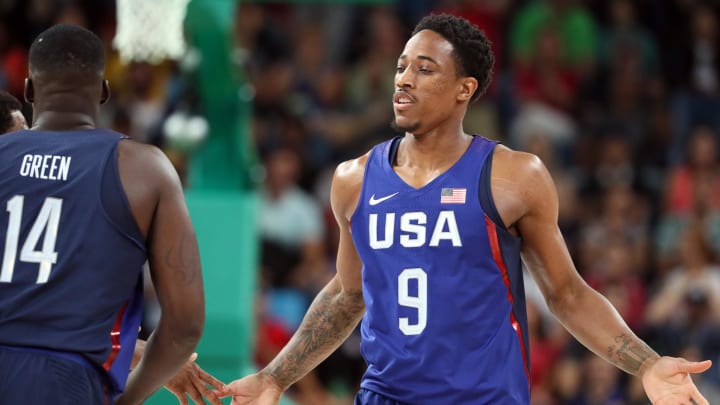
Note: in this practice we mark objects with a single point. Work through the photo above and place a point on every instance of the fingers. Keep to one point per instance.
(700, 400)
(685, 366)
(206, 392)
(209, 379)
(214, 400)
(227, 390)
(223, 393)
(182, 399)
(198, 379)
(188, 388)
(195, 396)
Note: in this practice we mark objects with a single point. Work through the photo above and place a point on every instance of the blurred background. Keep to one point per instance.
(619, 98)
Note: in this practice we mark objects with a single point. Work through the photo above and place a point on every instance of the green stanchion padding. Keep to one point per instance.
(221, 206)
(225, 158)
(225, 223)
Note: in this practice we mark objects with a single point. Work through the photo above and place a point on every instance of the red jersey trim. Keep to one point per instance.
(115, 339)
(497, 257)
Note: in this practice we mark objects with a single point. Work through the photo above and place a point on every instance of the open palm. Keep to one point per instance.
(668, 382)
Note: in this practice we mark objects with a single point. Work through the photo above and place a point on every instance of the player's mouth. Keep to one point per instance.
(402, 100)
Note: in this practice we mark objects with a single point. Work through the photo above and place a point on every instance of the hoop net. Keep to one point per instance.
(150, 30)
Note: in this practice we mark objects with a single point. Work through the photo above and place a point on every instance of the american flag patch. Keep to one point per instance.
(452, 196)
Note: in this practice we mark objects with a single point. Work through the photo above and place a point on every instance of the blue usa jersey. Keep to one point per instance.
(71, 253)
(445, 309)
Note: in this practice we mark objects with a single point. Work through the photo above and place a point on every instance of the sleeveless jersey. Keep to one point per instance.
(72, 254)
(442, 283)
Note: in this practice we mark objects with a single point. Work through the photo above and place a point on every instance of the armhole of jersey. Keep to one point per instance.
(394, 146)
(362, 188)
(117, 210)
(485, 192)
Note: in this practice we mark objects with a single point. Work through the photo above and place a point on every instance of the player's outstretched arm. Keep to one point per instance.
(191, 381)
(331, 318)
(174, 267)
(532, 207)
(328, 322)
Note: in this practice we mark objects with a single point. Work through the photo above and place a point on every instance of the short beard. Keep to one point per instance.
(411, 128)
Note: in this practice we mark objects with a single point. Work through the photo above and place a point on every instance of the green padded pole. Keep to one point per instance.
(221, 198)
(225, 158)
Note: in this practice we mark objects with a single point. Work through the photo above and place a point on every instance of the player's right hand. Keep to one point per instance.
(193, 381)
(668, 381)
(255, 389)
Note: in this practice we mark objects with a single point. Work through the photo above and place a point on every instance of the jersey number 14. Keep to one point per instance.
(46, 223)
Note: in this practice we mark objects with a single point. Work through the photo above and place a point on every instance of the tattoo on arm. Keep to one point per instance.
(629, 353)
(330, 319)
(184, 258)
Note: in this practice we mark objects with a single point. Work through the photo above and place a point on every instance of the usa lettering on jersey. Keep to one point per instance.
(414, 228)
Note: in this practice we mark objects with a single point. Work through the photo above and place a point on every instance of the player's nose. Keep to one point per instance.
(405, 79)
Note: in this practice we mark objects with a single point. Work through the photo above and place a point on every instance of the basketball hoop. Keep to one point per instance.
(150, 30)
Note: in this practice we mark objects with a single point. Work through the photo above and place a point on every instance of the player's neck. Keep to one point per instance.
(63, 121)
(433, 149)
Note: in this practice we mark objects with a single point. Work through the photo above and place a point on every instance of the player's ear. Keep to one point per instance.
(468, 87)
(105, 96)
(29, 91)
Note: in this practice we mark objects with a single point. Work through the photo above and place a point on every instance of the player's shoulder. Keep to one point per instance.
(351, 171)
(145, 161)
(518, 165)
(520, 181)
(139, 150)
(142, 152)
(347, 184)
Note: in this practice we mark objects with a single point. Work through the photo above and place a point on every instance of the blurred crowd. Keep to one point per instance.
(619, 98)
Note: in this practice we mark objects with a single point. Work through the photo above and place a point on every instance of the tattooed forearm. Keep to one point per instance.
(629, 353)
(329, 321)
(184, 258)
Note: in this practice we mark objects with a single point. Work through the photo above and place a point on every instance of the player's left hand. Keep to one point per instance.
(193, 381)
(668, 382)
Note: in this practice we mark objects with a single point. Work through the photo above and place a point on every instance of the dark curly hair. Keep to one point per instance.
(471, 48)
(8, 104)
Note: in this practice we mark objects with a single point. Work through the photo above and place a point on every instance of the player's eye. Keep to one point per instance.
(400, 68)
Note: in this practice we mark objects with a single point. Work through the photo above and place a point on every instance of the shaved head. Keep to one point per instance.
(66, 84)
(66, 49)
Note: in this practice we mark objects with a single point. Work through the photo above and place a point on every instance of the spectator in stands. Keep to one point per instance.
(291, 226)
(11, 116)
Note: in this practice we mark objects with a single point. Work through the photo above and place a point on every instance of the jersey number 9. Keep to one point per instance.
(418, 302)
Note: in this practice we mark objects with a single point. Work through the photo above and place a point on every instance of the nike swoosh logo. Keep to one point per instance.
(374, 201)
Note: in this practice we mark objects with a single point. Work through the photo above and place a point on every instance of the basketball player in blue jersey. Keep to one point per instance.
(434, 226)
(84, 209)
(11, 118)
(191, 380)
